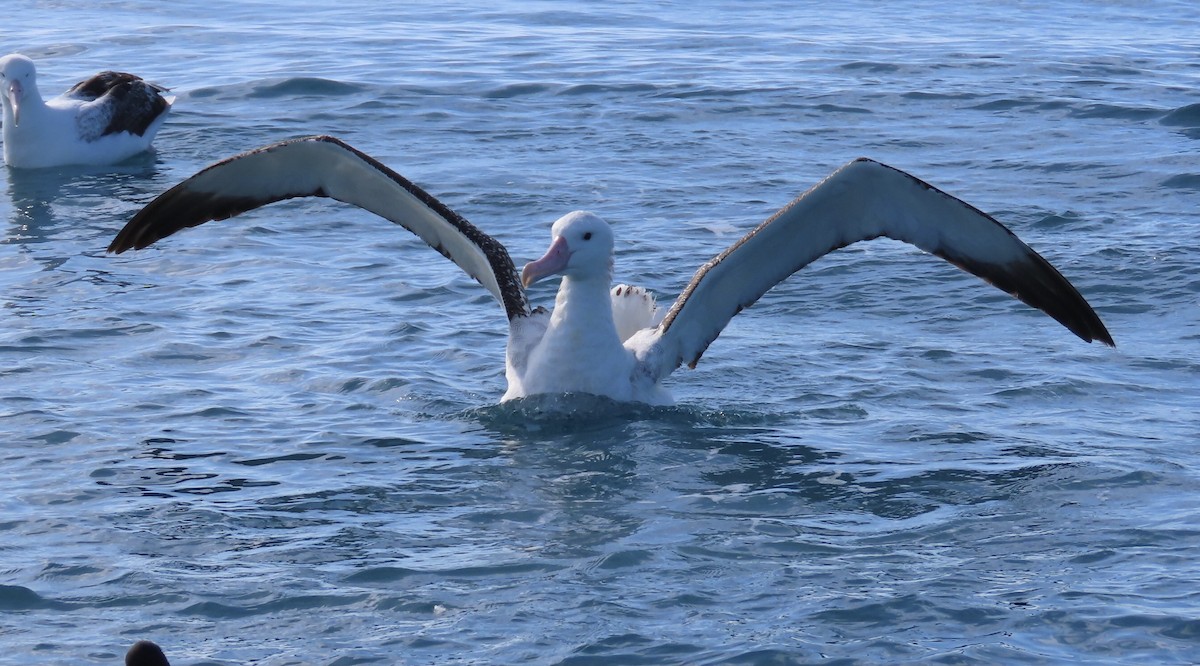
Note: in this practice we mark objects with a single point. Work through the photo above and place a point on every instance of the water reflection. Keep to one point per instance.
(51, 204)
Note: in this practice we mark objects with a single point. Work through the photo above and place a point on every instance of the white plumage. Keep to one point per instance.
(102, 120)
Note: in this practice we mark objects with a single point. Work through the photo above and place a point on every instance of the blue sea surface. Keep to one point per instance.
(277, 439)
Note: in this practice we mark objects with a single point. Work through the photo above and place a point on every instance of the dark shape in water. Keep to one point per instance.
(146, 653)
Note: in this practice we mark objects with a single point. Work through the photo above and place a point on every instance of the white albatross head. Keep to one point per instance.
(17, 77)
(582, 249)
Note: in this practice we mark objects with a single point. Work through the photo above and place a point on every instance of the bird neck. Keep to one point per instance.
(32, 97)
(584, 304)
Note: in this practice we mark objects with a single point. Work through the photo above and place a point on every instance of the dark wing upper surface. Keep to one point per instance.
(118, 102)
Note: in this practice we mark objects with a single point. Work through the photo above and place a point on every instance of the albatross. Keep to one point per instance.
(103, 120)
(613, 341)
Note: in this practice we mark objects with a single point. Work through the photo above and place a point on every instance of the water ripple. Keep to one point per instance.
(288, 424)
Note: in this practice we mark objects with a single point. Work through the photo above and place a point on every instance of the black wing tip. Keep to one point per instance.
(148, 225)
(1098, 333)
(1049, 291)
(121, 246)
(132, 236)
(180, 208)
(1082, 321)
(132, 239)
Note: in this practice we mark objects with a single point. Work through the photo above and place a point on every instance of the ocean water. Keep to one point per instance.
(276, 439)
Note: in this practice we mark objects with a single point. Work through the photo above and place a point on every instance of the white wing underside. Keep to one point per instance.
(861, 201)
(327, 167)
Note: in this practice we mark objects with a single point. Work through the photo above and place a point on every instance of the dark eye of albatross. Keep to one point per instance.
(587, 236)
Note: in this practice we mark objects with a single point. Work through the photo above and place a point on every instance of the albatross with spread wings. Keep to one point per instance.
(612, 341)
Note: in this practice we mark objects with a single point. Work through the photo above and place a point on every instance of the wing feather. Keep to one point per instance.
(861, 201)
(115, 102)
(323, 166)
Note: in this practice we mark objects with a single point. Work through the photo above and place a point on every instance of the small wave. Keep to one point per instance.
(214, 610)
(870, 66)
(385, 574)
(712, 92)
(19, 598)
(517, 90)
(1183, 181)
(220, 413)
(834, 108)
(1184, 116)
(306, 86)
(593, 88)
(300, 86)
(569, 412)
(291, 457)
(221, 611)
(501, 569)
(557, 411)
(1002, 105)
(923, 95)
(1052, 221)
(1115, 111)
(950, 437)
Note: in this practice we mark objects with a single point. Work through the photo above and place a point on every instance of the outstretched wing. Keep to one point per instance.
(860, 201)
(323, 166)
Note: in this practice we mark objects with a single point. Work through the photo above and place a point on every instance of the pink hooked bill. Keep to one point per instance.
(554, 261)
(15, 93)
